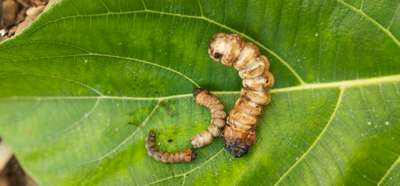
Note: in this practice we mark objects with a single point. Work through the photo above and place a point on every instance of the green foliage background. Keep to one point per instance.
(81, 88)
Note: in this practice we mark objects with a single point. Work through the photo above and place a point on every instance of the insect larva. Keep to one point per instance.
(231, 50)
(186, 155)
(205, 98)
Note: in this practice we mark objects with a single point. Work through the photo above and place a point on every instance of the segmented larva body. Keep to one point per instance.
(231, 50)
(217, 123)
(186, 155)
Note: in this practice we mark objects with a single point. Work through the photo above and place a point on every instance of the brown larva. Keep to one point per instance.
(231, 50)
(217, 123)
(186, 155)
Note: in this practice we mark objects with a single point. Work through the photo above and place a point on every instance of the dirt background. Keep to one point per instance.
(11, 173)
(16, 15)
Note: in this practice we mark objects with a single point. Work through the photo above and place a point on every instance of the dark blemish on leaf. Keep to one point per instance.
(132, 118)
(170, 140)
(131, 123)
(170, 110)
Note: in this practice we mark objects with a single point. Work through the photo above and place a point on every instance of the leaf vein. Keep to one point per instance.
(119, 57)
(397, 161)
(148, 63)
(206, 19)
(313, 144)
(116, 148)
(393, 17)
(189, 171)
(372, 20)
(77, 122)
(200, 8)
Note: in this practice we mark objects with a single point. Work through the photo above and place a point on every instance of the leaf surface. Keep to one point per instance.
(81, 88)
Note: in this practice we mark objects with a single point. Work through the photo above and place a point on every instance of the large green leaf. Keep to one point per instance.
(81, 88)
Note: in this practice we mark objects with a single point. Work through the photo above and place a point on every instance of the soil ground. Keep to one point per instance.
(16, 15)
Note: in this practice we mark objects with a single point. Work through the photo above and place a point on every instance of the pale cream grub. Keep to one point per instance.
(205, 98)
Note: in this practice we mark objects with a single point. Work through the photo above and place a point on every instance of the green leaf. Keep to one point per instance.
(81, 88)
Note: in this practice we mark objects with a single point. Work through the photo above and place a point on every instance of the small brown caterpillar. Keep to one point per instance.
(231, 50)
(217, 123)
(186, 155)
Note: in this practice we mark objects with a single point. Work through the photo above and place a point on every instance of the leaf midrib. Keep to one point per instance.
(338, 84)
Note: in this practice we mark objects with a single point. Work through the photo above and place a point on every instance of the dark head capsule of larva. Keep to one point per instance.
(237, 142)
(225, 48)
(189, 155)
(197, 91)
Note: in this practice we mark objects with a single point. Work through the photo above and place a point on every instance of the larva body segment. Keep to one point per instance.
(217, 123)
(249, 107)
(231, 50)
(253, 69)
(247, 54)
(227, 50)
(186, 155)
(257, 97)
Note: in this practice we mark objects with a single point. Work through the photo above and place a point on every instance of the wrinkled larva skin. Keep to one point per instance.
(231, 50)
(186, 155)
(225, 48)
(205, 98)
